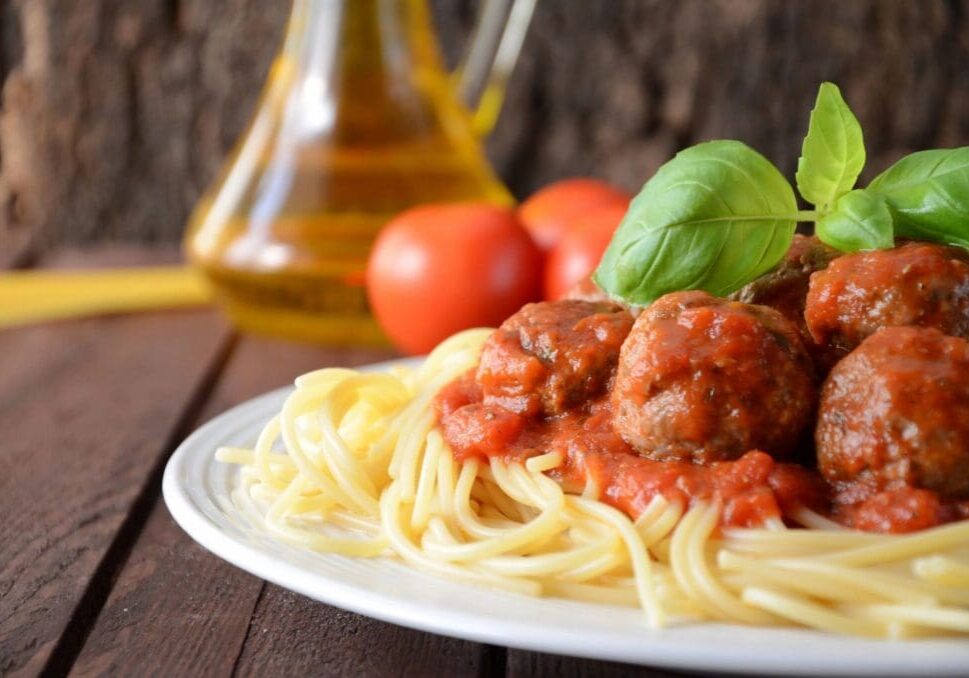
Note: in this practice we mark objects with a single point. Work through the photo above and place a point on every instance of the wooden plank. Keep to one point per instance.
(176, 609)
(522, 664)
(88, 410)
(291, 635)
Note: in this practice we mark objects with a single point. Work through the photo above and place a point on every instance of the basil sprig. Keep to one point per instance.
(719, 214)
(928, 195)
(860, 221)
(714, 217)
(833, 152)
(832, 157)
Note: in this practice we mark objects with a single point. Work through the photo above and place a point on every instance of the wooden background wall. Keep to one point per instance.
(116, 113)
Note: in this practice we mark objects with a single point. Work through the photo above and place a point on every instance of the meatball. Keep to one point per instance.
(915, 284)
(895, 413)
(586, 290)
(552, 356)
(785, 288)
(705, 379)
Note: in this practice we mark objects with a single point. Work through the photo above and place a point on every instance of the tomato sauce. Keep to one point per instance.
(915, 284)
(751, 489)
(905, 509)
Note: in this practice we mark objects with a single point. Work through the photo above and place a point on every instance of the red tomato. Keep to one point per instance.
(580, 250)
(551, 211)
(438, 269)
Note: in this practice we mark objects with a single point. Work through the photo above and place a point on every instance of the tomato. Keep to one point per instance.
(580, 249)
(438, 269)
(551, 211)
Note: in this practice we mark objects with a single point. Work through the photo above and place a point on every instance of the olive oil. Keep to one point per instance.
(358, 121)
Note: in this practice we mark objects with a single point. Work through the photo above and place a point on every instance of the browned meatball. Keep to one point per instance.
(785, 288)
(551, 356)
(706, 379)
(895, 413)
(915, 284)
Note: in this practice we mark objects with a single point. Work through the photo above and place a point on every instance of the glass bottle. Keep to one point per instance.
(358, 121)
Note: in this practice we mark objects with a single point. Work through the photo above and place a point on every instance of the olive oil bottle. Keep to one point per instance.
(358, 121)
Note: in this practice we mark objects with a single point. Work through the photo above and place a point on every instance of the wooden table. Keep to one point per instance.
(95, 576)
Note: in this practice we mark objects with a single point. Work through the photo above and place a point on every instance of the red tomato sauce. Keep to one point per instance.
(751, 489)
(896, 511)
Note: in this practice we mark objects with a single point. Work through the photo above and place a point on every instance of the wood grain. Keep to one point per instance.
(521, 664)
(176, 609)
(87, 410)
(292, 635)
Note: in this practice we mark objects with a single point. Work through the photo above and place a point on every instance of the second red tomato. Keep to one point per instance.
(576, 256)
(550, 212)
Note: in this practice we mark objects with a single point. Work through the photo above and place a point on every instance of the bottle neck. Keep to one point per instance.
(363, 70)
(394, 37)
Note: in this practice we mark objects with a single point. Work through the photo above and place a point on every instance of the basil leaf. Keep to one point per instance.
(833, 152)
(713, 218)
(928, 194)
(860, 221)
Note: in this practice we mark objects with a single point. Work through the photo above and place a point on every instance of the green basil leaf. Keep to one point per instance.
(860, 221)
(928, 194)
(833, 152)
(713, 218)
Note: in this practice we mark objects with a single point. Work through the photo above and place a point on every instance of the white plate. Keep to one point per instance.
(196, 490)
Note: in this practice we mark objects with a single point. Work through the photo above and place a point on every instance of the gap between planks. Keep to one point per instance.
(86, 406)
(98, 589)
(175, 609)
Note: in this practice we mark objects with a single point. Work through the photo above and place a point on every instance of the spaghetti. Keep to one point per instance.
(355, 464)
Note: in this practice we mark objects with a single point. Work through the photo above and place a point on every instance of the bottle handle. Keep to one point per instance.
(483, 74)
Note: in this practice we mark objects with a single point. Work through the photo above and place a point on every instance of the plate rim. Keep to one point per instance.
(457, 623)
